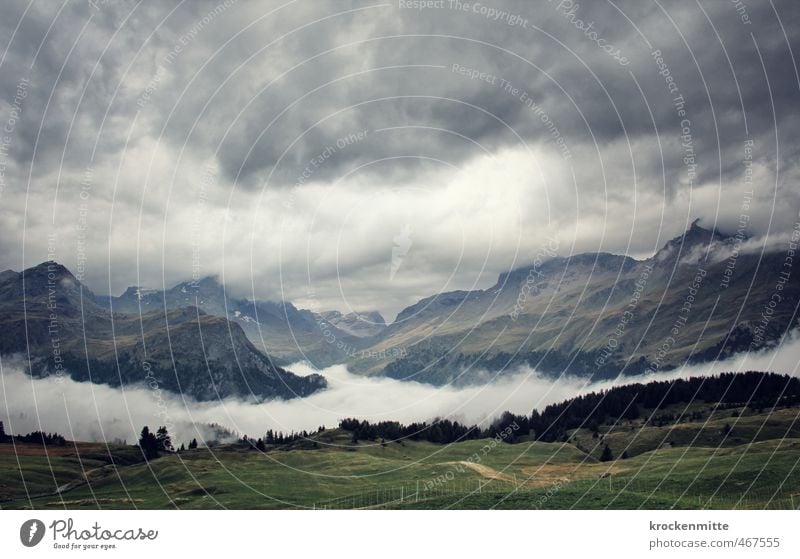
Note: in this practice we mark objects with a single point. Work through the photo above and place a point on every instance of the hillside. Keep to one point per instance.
(334, 473)
(48, 315)
(701, 297)
(280, 329)
(598, 315)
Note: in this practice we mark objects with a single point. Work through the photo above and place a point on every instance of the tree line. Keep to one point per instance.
(756, 389)
(273, 438)
(439, 431)
(35, 437)
(442, 431)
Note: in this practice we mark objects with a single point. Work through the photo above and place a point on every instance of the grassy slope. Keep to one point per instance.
(700, 471)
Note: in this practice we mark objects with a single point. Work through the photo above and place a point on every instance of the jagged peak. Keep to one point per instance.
(363, 316)
(695, 236)
(48, 267)
(372, 316)
(207, 280)
(40, 279)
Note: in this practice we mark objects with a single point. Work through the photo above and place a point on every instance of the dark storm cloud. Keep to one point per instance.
(585, 92)
(317, 75)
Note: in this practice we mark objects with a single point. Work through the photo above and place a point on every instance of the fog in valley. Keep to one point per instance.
(92, 412)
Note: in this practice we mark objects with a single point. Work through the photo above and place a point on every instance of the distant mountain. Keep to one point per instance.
(281, 330)
(361, 325)
(47, 315)
(701, 297)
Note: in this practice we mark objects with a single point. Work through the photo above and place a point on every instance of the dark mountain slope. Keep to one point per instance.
(598, 315)
(281, 330)
(48, 315)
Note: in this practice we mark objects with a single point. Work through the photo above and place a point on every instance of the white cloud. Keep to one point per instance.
(85, 411)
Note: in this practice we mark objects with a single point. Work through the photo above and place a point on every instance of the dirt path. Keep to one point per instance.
(486, 471)
(544, 475)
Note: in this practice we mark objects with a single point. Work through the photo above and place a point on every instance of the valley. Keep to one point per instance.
(695, 455)
(591, 315)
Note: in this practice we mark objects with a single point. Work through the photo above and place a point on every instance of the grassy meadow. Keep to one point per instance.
(682, 465)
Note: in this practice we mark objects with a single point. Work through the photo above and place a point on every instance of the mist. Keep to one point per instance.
(92, 412)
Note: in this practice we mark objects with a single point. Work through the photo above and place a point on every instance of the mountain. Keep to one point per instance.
(361, 325)
(280, 329)
(46, 314)
(702, 296)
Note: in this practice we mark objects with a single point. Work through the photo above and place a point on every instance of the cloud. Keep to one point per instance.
(85, 411)
(464, 111)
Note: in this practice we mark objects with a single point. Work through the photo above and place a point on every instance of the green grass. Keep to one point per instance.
(750, 469)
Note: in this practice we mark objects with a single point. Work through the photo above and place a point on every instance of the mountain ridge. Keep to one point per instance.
(558, 315)
(50, 316)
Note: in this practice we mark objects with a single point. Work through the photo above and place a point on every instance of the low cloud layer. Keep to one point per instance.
(85, 411)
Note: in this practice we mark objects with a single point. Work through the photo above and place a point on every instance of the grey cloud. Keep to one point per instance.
(209, 103)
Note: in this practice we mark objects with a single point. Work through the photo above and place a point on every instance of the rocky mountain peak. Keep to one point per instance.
(359, 324)
(696, 235)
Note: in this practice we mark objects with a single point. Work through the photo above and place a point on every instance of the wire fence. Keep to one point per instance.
(414, 493)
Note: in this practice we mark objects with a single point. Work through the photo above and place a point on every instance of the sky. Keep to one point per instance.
(364, 155)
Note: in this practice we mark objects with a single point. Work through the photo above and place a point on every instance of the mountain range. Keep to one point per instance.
(279, 329)
(702, 296)
(48, 317)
